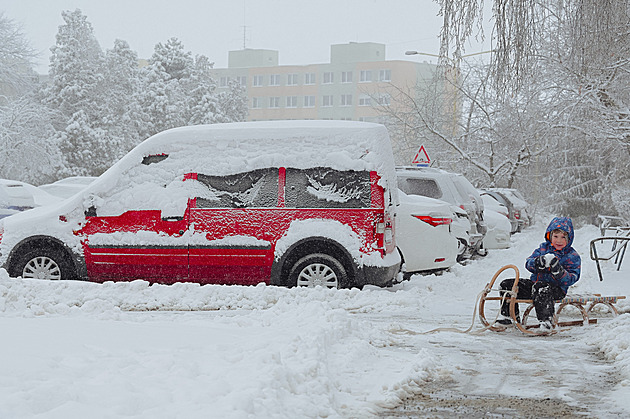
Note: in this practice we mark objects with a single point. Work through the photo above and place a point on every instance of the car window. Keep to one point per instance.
(323, 187)
(423, 187)
(255, 189)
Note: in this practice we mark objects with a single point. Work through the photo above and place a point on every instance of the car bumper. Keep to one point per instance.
(381, 275)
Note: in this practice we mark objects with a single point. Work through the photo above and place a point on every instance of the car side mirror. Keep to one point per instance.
(90, 203)
(90, 212)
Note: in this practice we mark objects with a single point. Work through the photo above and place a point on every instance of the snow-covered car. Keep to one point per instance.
(493, 203)
(280, 202)
(450, 187)
(65, 188)
(520, 210)
(460, 228)
(499, 230)
(423, 234)
(16, 196)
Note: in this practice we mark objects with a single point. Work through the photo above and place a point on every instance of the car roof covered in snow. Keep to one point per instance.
(239, 147)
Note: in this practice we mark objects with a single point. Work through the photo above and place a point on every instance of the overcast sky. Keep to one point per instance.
(302, 31)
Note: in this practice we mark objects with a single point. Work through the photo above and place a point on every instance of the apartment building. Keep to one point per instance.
(352, 86)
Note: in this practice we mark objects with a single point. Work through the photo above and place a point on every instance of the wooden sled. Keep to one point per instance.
(577, 301)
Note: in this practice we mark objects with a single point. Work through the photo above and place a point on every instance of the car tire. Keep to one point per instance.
(42, 264)
(318, 269)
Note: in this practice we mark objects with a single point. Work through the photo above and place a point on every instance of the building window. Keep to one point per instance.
(365, 101)
(366, 76)
(257, 81)
(274, 80)
(309, 101)
(309, 78)
(256, 103)
(327, 101)
(291, 101)
(346, 100)
(223, 81)
(346, 76)
(385, 75)
(274, 102)
(329, 77)
(385, 100)
(242, 80)
(292, 79)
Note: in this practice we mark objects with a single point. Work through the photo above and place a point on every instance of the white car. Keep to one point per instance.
(460, 228)
(497, 217)
(499, 229)
(423, 234)
(65, 188)
(452, 188)
(16, 196)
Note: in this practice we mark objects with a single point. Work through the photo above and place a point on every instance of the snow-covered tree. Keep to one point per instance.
(118, 90)
(178, 90)
(76, 67)
(233, 103)
(16, 73)
(77, 91)
(28, 149)
(202, 99)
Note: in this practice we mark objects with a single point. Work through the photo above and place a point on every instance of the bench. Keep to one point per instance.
(584, 303)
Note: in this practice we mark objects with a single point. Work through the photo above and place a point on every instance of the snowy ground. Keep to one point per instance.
(75, 349)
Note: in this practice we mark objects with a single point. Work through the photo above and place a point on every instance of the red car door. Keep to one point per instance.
(136, 245)
(232, 228)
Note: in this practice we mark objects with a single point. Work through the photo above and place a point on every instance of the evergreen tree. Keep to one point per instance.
(202, 99)
(76, 90)
(119, 88)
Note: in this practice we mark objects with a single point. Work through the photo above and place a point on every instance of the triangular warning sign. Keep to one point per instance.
(422, 157)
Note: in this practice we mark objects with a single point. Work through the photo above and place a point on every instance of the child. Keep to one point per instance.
(555, 266)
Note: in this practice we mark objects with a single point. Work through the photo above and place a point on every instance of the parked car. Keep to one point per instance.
(450, 187)
(16, 196)
(499, 230)
(492, 203)
(460, 228)
(519, 209)
(423, 234)
(283, 202)
(65, 188)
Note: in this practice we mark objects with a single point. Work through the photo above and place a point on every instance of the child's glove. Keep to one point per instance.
(540, 263)
(557, 271)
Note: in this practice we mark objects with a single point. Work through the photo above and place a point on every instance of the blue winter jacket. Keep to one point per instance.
(568, 257)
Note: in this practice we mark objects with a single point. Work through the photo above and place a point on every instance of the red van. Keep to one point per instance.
(285, 203)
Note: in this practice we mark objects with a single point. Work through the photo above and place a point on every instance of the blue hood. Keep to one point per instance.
(560, 223)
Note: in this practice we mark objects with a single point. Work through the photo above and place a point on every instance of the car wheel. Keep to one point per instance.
(318, 269)
(42, 264)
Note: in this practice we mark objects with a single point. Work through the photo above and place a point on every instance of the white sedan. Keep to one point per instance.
(499, 227)
(423, 234)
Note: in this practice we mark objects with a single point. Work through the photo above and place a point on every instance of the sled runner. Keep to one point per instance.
(583, 302)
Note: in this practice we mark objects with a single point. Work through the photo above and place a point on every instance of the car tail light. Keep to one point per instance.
(383, 232)
(379, 231)
(517, 214)
(439, 259)
(434, 221)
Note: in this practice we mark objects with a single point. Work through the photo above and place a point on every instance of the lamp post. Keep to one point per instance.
(455, 70)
